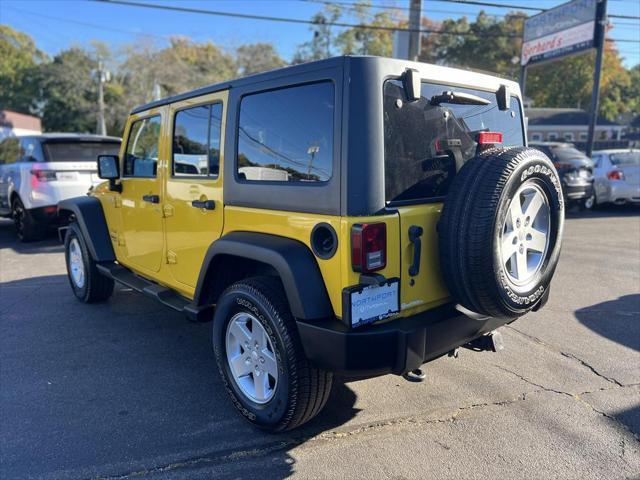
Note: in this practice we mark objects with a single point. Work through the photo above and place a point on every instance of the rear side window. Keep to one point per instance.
(30, 150)
(141, 156)
(78, 151)
(421, 139)
(9, 150)
(286, 135)
(196, 141)
(626, 158)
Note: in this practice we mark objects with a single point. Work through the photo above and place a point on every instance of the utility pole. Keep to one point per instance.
(600, 33)
(415, 13)
(102, 76)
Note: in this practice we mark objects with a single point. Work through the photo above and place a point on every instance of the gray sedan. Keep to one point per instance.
(617, 176)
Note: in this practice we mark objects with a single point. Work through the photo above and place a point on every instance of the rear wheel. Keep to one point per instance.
(261, 360)
(87, 283)
(500, 231)
(27, 228)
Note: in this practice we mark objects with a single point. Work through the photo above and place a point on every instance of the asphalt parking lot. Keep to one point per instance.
(129, 388)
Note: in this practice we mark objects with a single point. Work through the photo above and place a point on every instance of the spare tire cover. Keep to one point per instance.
(500, 231)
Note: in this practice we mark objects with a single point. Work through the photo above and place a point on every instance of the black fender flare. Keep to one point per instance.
(292, 260)
(89, 215)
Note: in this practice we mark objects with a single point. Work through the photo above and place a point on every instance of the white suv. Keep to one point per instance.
(38, 171)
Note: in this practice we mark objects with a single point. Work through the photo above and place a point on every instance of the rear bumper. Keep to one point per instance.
(395, 347)
(624, 192)
(45, 215)
(577, 191)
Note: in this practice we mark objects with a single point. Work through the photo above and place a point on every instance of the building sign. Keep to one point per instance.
(563, 30)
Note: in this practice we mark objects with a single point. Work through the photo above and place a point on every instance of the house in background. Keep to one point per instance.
(572, 125)
(14, 124)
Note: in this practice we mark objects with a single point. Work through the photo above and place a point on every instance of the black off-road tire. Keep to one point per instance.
(473, 216)
(27, 228)
(302, 390)
(96, 287)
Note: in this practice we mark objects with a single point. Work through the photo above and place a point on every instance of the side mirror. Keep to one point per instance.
(109, 169)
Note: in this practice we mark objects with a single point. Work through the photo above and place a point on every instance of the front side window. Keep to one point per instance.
(423, 138)
(196, 141)
(286, 135)
(141, 156)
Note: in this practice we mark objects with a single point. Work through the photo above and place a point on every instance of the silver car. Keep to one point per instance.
(617, 176)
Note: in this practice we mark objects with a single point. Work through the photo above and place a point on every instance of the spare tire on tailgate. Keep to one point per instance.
(500, 231)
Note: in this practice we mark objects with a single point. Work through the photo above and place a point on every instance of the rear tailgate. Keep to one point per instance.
(424, 141)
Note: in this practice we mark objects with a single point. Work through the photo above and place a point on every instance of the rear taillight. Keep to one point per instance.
(615, 175)
(489, 138)
(369, 247)
(44, 175)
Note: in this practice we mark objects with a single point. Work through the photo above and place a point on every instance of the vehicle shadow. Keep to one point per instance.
(8, 239)
(604, 211)
(125, 387)
(616, 320)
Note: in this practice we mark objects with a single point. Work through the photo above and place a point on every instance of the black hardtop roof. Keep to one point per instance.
(251, 79)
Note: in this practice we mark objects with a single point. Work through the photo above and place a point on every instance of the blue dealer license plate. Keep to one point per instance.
(374, 302)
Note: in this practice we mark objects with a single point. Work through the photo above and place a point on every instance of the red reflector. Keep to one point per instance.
(615, 175)
(51, 209)
(369, 247)
(486, 138)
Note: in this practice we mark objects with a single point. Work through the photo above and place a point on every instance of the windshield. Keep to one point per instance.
(421, 140)
(79, 151)
(569, 153)
(626, 158)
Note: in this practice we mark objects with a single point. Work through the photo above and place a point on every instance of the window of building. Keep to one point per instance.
(583, 136)
(196, 141)
(568, 136)
(552, 136)
(286, 135)
(141, 156)
(536, 137)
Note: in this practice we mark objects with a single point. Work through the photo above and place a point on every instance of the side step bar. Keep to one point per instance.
(162, 294)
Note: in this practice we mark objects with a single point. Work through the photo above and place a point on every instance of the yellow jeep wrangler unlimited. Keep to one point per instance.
(359, 215)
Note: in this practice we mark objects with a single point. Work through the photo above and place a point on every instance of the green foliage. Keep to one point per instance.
(256, 58)
(19, 59)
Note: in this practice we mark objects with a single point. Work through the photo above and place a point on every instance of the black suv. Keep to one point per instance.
(575, 170)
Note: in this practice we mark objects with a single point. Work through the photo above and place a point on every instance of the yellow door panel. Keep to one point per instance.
(141, 215)
(193, 209)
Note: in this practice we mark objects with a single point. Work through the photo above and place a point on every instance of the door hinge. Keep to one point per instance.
(117, 201)
(172, 258)
(121, 241)
(167, 210)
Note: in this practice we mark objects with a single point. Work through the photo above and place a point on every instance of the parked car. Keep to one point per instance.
(617, 176)
(37, 171)
(575, 170)
(400, 227)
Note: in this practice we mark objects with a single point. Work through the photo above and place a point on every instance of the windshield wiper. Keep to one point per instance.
(458, 98)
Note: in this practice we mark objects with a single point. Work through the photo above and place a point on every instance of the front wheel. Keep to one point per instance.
(261, 360)
(87, 283)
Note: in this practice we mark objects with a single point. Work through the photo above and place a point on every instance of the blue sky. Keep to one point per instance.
(57, 24)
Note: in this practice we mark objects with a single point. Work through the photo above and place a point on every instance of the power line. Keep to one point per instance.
(490, 4)
(296, 20)
(354, 5)
(87, 24)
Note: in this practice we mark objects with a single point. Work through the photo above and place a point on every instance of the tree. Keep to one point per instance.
(365, 41)
(322, 45)
(68, 92)
(256, 58)
(19, 59)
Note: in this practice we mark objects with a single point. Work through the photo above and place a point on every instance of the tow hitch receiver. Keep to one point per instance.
(491, 342)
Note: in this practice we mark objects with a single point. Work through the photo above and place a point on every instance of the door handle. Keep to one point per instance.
(206, 204)
(151, 198)
(415, 232)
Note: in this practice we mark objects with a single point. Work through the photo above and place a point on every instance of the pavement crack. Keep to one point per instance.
(567, 355)
(576, 397)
